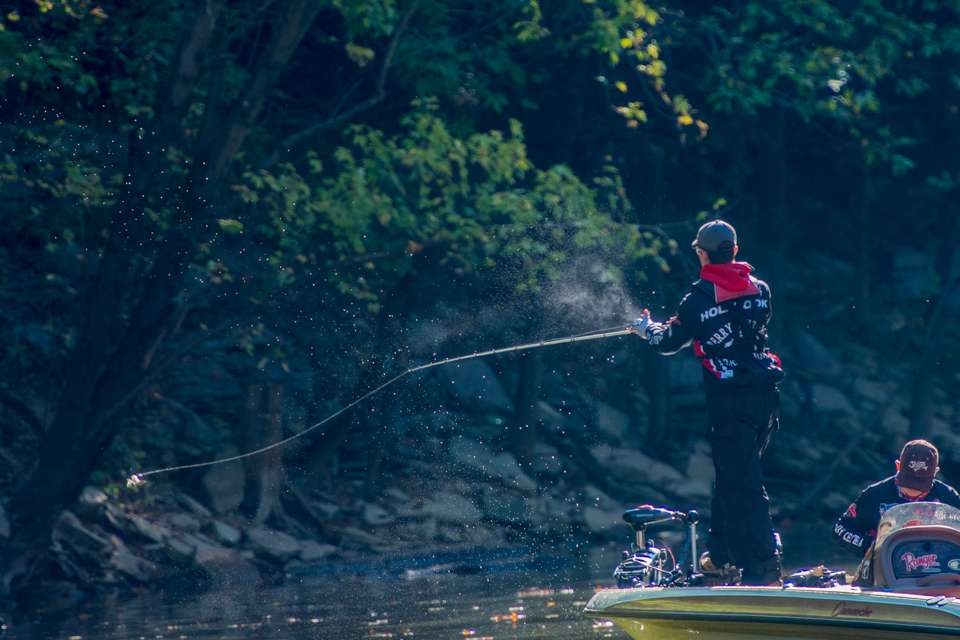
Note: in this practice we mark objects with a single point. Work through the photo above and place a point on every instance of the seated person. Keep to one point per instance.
(915, 481)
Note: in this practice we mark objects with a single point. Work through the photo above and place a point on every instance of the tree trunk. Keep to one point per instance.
(264, 473)
(926, 370)
(656, 374)
(124, 315)
(526, 415)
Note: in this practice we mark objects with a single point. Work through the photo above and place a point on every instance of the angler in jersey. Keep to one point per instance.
(914, 481)
(724, 318)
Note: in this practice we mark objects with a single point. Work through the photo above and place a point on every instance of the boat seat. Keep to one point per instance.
(646, 515)
(937, 547)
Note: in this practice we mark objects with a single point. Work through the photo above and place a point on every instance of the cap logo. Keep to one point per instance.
(917, 465)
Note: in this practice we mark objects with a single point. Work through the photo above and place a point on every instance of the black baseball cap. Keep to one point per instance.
(715, 236)
(919, 461)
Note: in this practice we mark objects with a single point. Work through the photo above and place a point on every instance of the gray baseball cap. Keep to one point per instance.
(716, 235)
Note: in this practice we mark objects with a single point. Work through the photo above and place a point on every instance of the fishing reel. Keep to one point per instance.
(821, 577)
(647, 565)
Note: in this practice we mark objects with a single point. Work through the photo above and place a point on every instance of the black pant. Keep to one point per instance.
(742, 419)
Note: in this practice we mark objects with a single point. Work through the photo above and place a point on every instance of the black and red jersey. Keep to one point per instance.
(727, 329)
(857, 527)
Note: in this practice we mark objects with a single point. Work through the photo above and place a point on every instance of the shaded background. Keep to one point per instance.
(222, 221)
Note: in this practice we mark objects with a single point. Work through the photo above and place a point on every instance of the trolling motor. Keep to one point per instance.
(647, 565)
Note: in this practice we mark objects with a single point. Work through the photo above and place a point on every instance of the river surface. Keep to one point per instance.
(425, 603)
(491, 595)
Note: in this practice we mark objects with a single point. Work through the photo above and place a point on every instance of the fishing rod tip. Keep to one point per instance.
(135, 480)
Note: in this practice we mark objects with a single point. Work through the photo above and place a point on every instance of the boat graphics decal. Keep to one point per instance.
(925, 562)
(851, 609)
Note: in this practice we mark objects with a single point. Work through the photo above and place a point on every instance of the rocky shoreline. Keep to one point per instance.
(457, 487)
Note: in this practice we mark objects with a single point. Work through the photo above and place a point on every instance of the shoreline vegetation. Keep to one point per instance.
(223, 220)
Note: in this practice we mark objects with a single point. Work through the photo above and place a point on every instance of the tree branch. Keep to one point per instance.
(296, 18)
(379, 93)
(188, 68)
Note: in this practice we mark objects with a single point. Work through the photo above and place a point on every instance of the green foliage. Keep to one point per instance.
(534, 129)
(472, 203)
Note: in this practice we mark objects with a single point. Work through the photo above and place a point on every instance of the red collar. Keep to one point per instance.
(731, 279)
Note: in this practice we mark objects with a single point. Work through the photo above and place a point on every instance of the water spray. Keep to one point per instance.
(138, 479)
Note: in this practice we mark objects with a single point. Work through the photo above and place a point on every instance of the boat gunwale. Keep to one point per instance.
(871, 625)
(615, 610)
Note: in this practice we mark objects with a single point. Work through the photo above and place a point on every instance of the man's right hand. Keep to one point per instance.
(641, 324)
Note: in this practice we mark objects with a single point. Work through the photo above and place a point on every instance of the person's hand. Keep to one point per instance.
(641, 324)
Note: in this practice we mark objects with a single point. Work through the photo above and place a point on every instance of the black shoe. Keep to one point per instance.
(764, 574)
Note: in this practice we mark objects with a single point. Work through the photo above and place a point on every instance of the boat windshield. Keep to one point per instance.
(934, 550)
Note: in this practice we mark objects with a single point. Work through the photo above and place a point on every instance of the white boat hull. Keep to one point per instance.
(757, 613)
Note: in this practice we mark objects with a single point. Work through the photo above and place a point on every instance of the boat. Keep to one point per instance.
(907, 588)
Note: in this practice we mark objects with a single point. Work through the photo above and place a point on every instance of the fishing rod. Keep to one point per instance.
(137, 479)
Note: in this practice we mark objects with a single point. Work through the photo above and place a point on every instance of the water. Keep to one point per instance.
(451, 607)
(509, 594)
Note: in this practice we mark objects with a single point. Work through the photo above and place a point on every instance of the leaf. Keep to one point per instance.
(361, 56)
(230, 226)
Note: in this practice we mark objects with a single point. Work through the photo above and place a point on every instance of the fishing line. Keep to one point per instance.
(137, 479)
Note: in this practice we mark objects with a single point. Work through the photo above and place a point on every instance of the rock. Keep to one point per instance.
(479, 457)
(206, 554)
(195, 507)
(327, 508)
(224, 486)
(700, 463)
(601, 520)
(549, 416)
(700, 473)
(546, 460)
(553, 512)
(829, 399)
(311, 551)
(274, 544)
(197, 539)
(612, 422)
(451, 507)
(179, 549)
(450, 534)
(375, 515)
(4, 523)
(185, 522)
(505, 467)
(225, 533)
(474, 384)
(91, 502)
(147, 529)
(115, 516)
(126, 562)
(508, 508)
(597, 498)
(814, 357)
(397, 495)
(470, 453)
(634, 466)
(359, 537)
(71, 533)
